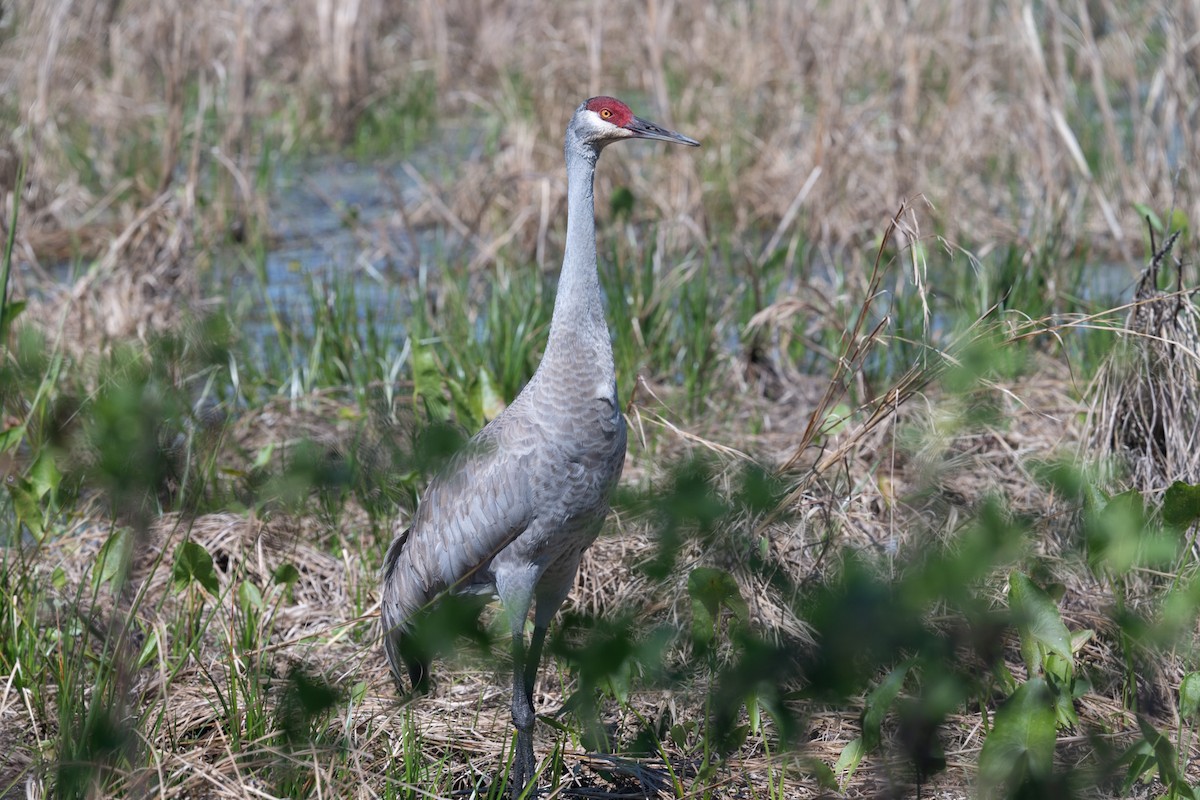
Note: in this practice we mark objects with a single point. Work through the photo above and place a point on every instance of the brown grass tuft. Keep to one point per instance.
(1144, 420)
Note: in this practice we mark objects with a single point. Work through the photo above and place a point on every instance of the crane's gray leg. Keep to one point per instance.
(516, 593)
(522, 713)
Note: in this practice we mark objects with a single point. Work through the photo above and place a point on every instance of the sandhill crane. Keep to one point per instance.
(528, 494)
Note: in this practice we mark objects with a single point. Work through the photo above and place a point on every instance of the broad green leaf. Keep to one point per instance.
(1038, 620)
(12, 309)
(263, 456)
(879, 702)
(1181, 504)
(249, 597)
(1021, 742)
(25, 503)
(1142, 765)
(1166, 759)
(44, 476)
(1058, 668)
(850, 757)
(149, 650)
(1189, 695)
(679, 734)
(11, 437)
(819, 772)
(194, 564)
(114, 556)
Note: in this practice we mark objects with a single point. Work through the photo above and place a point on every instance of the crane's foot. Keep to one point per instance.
(523, 767)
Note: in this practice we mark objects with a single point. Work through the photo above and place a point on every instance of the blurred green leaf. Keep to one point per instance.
(249, 597)
(1145, 212)
(114, 556)
(194, 564)
(306, 699)
(1021, 743)
(1189, 695)
(8, 315)
(711, 589)
(25, 504)
(44, 476)
(1114, 531)
(149, 649)
(428, 382)
(467, 406)
(820, 773)
(1181, 504)
(679, 733)
(879, 702)
(286, 573)
(1166, 760)
(621, 202)
(1038, 622)
(263, 456)
(11, 437)
(1178, 220)
(1142, 765)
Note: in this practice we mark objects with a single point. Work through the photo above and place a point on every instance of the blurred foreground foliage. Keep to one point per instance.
(955, 618)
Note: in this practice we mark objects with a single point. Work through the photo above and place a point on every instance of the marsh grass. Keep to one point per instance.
(227, 653)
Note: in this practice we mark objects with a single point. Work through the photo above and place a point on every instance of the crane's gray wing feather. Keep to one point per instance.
(470, 512)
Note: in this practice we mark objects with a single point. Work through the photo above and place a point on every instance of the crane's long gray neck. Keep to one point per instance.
(578, 327)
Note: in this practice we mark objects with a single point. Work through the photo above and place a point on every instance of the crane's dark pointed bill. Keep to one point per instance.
(648, 130)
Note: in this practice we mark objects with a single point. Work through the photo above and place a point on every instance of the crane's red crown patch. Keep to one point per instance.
(611, 110)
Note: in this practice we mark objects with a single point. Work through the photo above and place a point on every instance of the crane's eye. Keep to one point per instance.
(605, 113)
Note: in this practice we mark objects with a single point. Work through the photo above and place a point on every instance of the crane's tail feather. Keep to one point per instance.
(403, 652)
(404, 656)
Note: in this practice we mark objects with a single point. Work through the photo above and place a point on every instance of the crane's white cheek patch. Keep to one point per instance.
(606, 392)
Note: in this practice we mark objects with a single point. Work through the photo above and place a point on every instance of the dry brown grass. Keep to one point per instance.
(1016, 123)
(1144, 421)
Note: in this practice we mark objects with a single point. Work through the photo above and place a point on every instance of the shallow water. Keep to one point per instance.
(337, 225)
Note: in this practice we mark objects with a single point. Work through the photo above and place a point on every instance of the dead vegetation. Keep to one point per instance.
(1081, 108)
(1145, 423)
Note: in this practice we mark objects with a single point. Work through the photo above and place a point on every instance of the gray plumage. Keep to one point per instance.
(515, 510)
